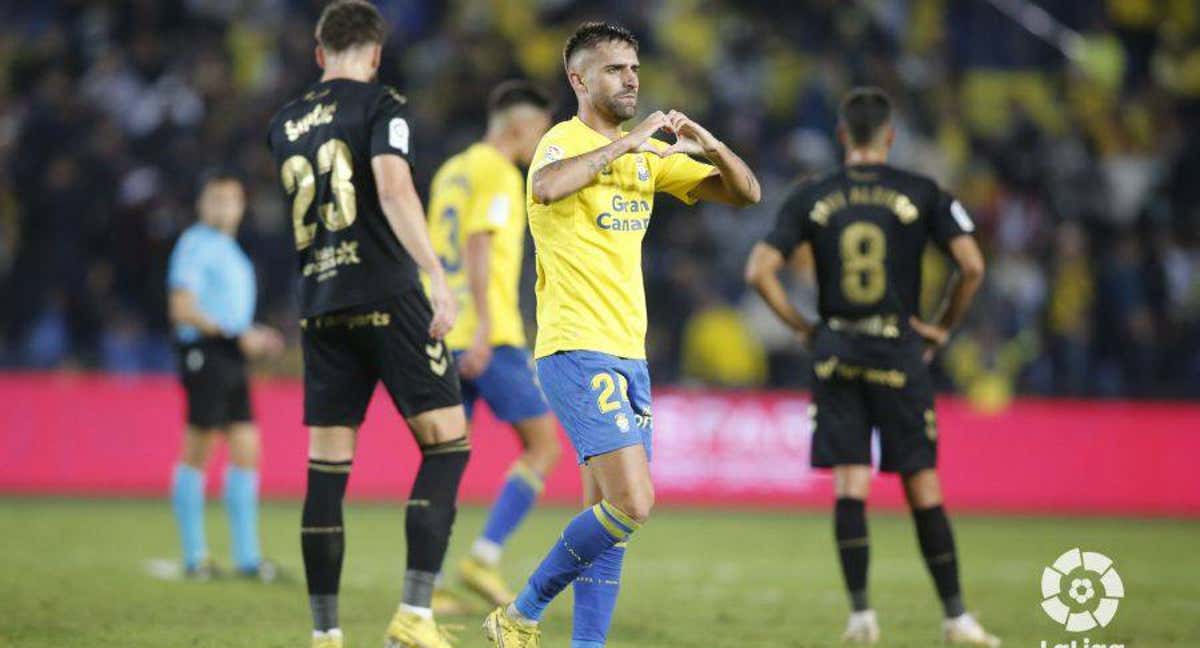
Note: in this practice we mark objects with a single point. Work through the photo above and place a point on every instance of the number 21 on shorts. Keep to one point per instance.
(604, 384)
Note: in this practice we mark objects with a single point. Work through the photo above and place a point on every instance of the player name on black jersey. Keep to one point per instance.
(321, 114)
(868, 226)
(864, 195)
(323, 143)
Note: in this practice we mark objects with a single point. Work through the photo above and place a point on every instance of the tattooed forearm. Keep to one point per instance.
(597, 165)
(740, 187)
(564, 177)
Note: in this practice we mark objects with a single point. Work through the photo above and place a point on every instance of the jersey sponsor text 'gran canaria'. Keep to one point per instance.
(590, 294)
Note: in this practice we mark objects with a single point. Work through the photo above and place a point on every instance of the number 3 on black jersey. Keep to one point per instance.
(299, 181)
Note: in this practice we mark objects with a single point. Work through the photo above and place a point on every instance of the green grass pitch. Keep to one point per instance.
(72, 574)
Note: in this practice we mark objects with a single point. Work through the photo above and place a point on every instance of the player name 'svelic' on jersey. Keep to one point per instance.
(374, 319)
(866, 195)
(319, 115)
(328, 259)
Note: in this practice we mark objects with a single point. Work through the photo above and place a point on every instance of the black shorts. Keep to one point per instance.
(862, 382)
(348, 351)
(213, 372)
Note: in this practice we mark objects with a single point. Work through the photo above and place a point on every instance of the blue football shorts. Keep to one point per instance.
(508, 386)
(602, 400)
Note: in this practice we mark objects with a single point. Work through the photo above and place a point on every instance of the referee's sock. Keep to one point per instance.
(854, 548)
(937, 546)
(430, 518)
(596, 592)
(241, 505)
(516, 498)
(322, 538)
(586, 537)
(187, 501)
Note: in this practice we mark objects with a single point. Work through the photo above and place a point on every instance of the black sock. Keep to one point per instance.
(430, 516)
(937, 546)
(322, 539)
(850, 531)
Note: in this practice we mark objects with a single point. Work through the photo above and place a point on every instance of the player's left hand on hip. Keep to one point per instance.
(690, 138)
(935, 336)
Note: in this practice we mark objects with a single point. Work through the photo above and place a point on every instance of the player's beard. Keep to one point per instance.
(622, 110)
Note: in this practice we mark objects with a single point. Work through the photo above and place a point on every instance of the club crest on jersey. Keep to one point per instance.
(643, 171)
(553, 153)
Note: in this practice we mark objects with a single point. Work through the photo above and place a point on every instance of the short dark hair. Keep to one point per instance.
(347, 23)
(518, 92)
(864, 111)
(591, 34)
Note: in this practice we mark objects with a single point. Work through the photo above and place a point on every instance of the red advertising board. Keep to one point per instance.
(111, 435)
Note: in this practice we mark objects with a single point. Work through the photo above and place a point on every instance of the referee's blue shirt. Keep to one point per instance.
(212, 266)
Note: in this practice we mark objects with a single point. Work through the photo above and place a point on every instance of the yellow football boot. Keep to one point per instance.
(507, 633)
(331, 639)
(485, 580)
(408, 630)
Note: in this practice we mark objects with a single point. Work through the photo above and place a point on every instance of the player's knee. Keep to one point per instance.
(539, 439)
(852, 481)
(244, 447)
(640, 509)
(544, 453)
(194, 458)
(439, 426)
(923, 489)
(334, 443)
(637, 505)
(197, 447)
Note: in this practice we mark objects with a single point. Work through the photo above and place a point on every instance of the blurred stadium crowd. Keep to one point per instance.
(1081, 172)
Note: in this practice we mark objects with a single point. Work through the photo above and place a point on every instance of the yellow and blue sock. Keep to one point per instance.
(596, 592)
(588, 535)
(516, 498)
(187, 500)
(241, 504)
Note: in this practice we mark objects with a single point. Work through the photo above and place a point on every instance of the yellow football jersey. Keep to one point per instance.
(590, 294)
(479, 190)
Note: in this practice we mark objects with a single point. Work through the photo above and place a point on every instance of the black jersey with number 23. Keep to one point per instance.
(323, 143)
(868, 226)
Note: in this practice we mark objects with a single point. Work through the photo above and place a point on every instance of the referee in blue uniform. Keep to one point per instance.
(211, 301)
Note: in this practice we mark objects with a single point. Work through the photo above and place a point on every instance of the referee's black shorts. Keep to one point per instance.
(213, 372)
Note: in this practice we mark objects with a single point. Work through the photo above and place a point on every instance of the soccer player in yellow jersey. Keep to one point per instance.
(590, 193)
(477, 224)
